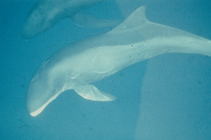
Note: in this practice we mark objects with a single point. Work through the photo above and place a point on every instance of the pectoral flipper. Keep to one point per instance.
(90, 92)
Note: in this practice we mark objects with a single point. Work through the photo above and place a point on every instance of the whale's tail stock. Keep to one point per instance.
(197, 46)
(181, 44)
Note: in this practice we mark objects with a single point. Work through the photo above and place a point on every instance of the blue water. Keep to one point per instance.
(165, 98)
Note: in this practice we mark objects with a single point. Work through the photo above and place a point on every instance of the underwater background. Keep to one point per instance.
(164, 98)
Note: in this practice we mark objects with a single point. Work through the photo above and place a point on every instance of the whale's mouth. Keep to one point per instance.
(42, 107)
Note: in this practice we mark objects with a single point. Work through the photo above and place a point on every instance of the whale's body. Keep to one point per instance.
(134, 40)
(46, 13)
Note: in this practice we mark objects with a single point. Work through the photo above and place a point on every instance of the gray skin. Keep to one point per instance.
(77, 67)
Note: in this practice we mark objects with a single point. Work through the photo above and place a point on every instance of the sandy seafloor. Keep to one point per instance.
(164, 98)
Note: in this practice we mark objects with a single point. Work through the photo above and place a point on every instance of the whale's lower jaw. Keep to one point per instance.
(41, 109)
(38, 111)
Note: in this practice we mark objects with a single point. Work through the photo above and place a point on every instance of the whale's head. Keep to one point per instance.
(43, 89)
(39, 20)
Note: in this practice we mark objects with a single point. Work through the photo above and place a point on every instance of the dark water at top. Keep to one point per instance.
(165, 98)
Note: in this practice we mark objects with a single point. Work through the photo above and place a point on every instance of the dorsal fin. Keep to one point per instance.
(128, 6)
(137, 18)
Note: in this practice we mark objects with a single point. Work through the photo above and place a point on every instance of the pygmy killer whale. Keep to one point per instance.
(76, 67)
(48, 12)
